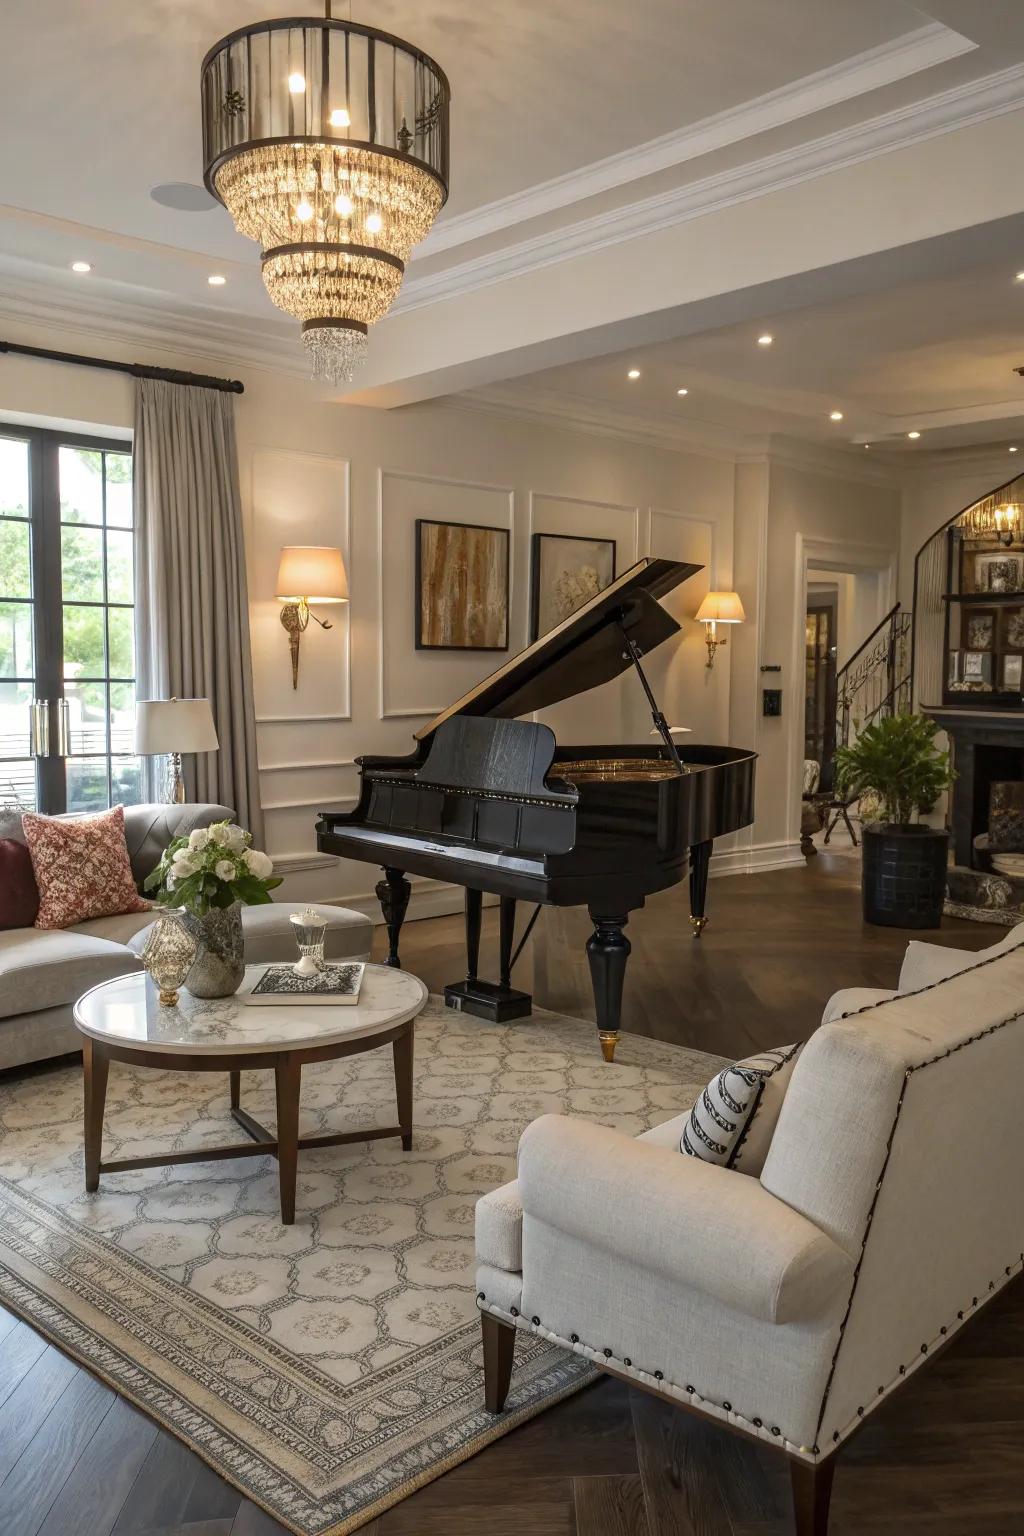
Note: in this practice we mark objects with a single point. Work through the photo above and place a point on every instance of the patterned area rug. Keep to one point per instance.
(330, 1368)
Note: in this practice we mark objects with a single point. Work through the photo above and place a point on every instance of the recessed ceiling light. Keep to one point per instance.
(1013, 450)
(682, 391)
(867, 445)
(216, 280)
(765, 340)
(80, 266)
(835, 415)
(634, 373)
(1019, 278)
(913, 435)
(296, 83)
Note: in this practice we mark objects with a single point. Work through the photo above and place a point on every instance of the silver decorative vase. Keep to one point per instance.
(220, 963)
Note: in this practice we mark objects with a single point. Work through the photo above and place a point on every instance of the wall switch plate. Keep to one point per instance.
(771, 701)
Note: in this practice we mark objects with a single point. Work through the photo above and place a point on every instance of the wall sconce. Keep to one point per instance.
(308, 573)
(718, 608)
(1006, 521)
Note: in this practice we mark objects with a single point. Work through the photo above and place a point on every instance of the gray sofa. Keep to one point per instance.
(44, 971)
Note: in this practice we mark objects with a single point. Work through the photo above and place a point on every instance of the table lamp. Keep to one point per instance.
(169, 727)
(308, 573)
(718, 608)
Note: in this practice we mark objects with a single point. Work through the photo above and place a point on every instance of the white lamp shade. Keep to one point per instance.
(174, 725)
(315, 572)
(723, 607)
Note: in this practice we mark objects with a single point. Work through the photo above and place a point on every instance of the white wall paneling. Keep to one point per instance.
(418, 684)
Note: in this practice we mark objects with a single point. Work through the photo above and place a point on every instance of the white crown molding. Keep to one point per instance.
(957, 108)
(576, 413)
(817, 459)
(884, 65)
(113, 317)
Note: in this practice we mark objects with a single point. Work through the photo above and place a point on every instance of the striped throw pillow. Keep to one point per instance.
(733, 1121)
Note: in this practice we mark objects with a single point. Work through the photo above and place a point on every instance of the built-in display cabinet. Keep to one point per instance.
(984, 628)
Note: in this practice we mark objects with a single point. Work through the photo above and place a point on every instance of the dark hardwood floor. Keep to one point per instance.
(945, 1458)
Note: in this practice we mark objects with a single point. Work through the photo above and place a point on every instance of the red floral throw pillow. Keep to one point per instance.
(81, 868)
(19, 898)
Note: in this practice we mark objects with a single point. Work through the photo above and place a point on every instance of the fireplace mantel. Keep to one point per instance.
(987, 745)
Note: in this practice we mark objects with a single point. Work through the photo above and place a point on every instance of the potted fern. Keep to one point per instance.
(903, 878)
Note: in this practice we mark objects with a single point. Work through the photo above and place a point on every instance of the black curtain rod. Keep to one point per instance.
(137, 370)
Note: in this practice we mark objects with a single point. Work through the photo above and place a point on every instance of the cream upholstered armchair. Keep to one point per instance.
(786, 1305)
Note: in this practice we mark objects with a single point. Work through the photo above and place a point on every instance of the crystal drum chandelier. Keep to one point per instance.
(328, 143)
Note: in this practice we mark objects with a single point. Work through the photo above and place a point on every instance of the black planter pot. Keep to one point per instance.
(903, 877)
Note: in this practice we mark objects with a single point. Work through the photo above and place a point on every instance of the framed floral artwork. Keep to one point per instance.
(979, 629)
(566, 571)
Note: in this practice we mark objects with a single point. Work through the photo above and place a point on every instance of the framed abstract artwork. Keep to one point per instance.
(461, 586)
(566, 571)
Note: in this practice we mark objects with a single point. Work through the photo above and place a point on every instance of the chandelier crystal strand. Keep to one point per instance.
(328, 144)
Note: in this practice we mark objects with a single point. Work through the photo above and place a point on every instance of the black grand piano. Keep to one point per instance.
(494, 804)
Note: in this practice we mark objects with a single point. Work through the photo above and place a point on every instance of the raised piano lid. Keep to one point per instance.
(584, 650)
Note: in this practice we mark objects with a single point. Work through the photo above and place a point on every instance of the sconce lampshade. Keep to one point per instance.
(722, 607)
(164, 726)
(314, 572)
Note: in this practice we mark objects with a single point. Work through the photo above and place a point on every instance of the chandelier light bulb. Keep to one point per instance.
(374, 223)
(339, 118)
(304, 211)
(343, 205)
(296, 83)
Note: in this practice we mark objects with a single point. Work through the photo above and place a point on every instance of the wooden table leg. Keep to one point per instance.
(288, 1080)
(96, 1065)
(402, 1049)
(235, 1079)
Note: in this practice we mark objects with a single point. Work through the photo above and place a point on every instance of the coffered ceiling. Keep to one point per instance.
(576, 126)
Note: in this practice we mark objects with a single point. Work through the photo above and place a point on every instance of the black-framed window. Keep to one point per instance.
(66, 621)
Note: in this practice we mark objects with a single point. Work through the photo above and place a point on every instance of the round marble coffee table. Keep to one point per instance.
(123, 1020)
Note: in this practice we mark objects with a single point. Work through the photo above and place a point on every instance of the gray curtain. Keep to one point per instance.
(192, 608)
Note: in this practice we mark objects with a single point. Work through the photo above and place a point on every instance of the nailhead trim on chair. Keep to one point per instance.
(930, 1061)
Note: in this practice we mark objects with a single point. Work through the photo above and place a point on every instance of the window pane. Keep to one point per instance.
(15, 560)
(87, 783)
(121, 622)
(87, 707)
(120, 583)
(13, 478)
(81, 564)
(14, 720)
(119, 490)
(126, 786)
(81, 485)
(18, 785)
(122, 717)
(83, 642)
(16, 640)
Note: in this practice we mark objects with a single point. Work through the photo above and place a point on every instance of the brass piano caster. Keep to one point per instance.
(698, 924)
(608, 1044)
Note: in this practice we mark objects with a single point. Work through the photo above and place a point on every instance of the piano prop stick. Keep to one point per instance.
(491, 802)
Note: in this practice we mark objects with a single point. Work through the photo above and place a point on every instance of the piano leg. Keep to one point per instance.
(608, 950)
(474, 917)
(700, 858)
(506, 938)
(393, 893)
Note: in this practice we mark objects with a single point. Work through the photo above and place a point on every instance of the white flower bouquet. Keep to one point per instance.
(213, 867)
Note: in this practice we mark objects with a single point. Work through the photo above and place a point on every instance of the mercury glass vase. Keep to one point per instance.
(220, 962)
(169, 953)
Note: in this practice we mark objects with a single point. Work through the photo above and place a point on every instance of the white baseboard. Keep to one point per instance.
(758, 859)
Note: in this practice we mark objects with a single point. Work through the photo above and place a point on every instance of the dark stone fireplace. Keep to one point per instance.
(987, 748)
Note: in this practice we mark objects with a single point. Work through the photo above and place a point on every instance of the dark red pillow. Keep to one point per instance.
(19, 894)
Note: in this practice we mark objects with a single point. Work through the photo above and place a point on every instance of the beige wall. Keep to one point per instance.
(316, 472)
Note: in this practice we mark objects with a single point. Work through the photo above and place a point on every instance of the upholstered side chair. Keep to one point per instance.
(785, 1306)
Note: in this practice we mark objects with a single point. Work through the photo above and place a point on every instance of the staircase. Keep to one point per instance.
(876, 681)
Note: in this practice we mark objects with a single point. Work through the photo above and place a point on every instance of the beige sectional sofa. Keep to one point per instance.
(44, 971)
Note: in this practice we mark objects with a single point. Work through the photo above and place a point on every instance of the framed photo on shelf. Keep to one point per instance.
(979, 631)
(461, 586)
(1013, 673)
(1013, 629)
(566, 571)
(998, 572)
(978, 667)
